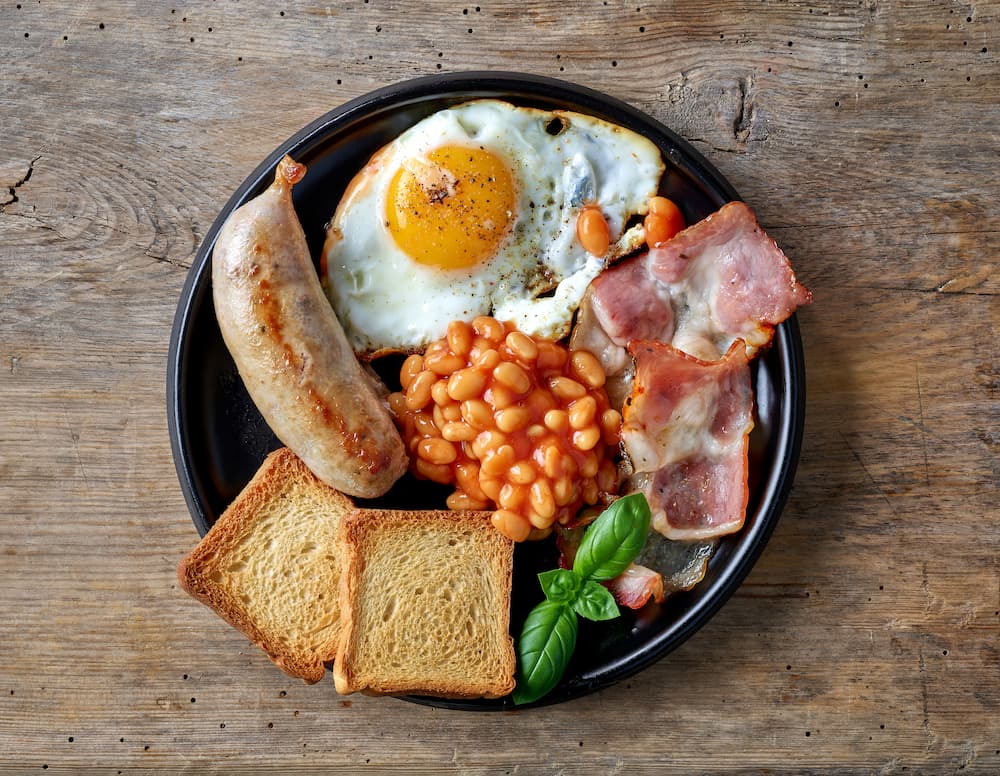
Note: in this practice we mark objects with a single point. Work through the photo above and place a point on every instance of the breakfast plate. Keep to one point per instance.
(219, 439)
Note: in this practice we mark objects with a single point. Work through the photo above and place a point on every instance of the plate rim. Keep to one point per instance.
(789, 428)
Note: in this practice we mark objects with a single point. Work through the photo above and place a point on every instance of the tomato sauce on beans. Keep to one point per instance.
(518, 425)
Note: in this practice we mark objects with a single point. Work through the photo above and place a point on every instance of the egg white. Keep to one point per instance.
(386, 301)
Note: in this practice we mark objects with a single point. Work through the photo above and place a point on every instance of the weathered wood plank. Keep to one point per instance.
(864, 134)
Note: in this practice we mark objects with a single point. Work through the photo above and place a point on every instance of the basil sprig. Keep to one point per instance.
(548, 637)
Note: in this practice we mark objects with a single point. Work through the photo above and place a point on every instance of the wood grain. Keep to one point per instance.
(867, 638)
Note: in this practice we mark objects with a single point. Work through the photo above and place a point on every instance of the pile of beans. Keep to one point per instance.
(520, 425)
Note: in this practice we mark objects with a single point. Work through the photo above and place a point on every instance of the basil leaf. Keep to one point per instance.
(614, 539)
(547, 641)
(560, 585)
(595, 602)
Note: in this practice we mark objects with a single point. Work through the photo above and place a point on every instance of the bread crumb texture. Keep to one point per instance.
(429, 605)
(271, 565)
(281, 569)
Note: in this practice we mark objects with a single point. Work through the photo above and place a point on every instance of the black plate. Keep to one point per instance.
(219, 439)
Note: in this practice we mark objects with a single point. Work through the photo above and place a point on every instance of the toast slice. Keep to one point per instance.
(270, 566)
(425, 605)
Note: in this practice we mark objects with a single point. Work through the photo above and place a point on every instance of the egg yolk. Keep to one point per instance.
(452, 208)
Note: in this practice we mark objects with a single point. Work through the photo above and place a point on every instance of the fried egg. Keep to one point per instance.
(473, 211)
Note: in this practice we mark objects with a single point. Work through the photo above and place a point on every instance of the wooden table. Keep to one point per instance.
(865, 135)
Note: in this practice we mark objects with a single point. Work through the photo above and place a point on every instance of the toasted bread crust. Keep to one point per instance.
(361, 534)
(202, 573)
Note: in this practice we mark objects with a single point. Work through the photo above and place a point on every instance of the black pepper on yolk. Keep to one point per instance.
(453, 208)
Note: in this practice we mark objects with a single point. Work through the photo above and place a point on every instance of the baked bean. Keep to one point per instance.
(489, 328)
(436, 349)
(587, 369)
(522, 473)
(407, 429)
(551, 356)
(556, 420)
(499, 461)
(513, 376)
(477, 413)
(542, 500)
(467, 476)
(491, 487)
(466, 384)
(512, 496)
(552, 461)
(581, 412)
(512, 419)
(439, 392)
(443, 363)
(458, 431)
(592, 231)
(397, 404)
(413, 366)
(500, 397)
(538, 402)
(538, 521)
(418, 395)
(588, 466)
(566, 388)
(511, 525)
(433, 471)
(487, 359)
(562, 491)
(436, 450)
(586, 439)
(438, 414)
(521, 346)
(462, 500)
(460, 337)
(611, 423)
(535, 431)
(487, 442)
(425, 426)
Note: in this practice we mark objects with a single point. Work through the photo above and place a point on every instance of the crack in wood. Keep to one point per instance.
(922, 666)
(940, 290)
(12, 190)
(922, 428)
(165, 259)
(743, 119)
(38, 222)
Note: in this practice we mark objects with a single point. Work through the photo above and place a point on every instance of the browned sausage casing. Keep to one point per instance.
(291, 351)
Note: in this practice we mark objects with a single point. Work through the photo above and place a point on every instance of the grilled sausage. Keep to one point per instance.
(291, 351)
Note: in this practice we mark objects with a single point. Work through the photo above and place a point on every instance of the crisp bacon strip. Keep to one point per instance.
(719, 280)
(728, 267)
(685, 430)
